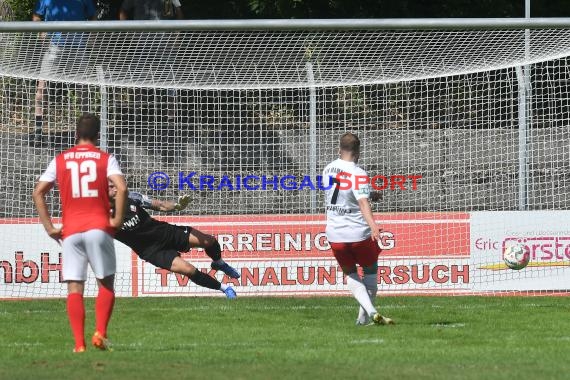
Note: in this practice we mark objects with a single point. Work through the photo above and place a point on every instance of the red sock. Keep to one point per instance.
(76, 314)
(103, 309)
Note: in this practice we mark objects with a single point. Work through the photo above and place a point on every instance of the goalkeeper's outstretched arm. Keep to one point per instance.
(158, 205)
(170, 206)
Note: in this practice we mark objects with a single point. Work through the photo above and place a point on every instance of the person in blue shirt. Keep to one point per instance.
(65, 53)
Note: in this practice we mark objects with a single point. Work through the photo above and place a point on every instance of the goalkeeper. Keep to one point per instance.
(159, 243)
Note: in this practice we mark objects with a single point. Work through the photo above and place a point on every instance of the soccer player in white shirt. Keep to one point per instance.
(351, 229)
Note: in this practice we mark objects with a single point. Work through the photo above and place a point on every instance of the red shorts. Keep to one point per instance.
(364, 253)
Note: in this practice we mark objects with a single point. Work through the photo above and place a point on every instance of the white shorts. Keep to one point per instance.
(94, 247)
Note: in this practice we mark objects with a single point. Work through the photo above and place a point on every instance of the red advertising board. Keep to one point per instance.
(303, 236)
(290, 255)
(279, 255)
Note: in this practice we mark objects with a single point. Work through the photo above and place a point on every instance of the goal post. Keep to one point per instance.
(463, 125)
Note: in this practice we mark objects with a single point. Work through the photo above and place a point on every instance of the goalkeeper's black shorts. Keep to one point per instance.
(162, 253)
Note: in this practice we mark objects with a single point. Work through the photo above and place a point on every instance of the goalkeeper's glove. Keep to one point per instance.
(183, 201)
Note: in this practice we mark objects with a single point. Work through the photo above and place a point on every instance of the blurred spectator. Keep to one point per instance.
(158, 56)
(108, 10)
(151, 10)
(66, 51)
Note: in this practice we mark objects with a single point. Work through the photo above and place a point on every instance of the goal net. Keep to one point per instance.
(464, 130)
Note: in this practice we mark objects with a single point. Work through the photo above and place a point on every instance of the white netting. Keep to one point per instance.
(441, 104)
(258, 59)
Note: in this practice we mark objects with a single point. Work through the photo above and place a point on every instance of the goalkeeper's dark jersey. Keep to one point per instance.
(140, 231)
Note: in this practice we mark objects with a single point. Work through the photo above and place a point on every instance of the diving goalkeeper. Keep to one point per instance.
(160, 243)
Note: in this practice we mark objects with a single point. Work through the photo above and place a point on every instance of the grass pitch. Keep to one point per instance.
(294, 338)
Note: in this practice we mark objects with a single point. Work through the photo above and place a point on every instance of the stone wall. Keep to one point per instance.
(461, 169)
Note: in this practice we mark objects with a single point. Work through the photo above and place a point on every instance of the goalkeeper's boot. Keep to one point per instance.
(227, 269)
(230, 293)
(378, 319)
(101, 342)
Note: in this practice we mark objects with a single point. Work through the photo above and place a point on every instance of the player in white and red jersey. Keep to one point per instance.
(82, 175)
(351, 230)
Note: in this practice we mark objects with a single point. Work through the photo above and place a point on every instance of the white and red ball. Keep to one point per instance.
(516, 256)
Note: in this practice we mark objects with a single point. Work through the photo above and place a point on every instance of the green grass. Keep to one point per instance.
(295, 338)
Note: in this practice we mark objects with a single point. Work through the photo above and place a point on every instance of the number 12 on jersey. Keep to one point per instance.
(82, 174)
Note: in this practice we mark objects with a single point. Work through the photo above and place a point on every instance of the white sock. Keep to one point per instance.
(223, 287)
(359, 292)
(362, 316)
(371, 283)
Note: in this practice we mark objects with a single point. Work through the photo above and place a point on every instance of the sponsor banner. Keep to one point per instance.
(312, 276)
(31, 264)
(422, 253)
(302, 236)
(544, 234)
(277, 255)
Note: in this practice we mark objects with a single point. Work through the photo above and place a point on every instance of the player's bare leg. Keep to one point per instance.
(183, 267)
(76, 313)
(213, 250)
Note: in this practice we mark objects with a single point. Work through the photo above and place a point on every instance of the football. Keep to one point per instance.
(516, 257)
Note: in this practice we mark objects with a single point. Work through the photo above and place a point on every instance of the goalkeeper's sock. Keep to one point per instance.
(215, 253)
(359, 292)
(202, 279)
(103, 309)
(76, 315)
